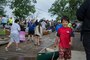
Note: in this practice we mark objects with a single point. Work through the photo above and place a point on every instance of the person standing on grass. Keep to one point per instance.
(66, 35)
(14, 35)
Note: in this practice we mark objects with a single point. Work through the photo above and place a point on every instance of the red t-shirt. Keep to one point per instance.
(65, 34)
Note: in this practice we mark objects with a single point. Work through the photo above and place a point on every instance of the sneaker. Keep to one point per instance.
(18, 49)
(6, 49)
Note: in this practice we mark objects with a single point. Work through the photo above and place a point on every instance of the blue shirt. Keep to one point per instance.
(31, 26)
(4, 20)
(58, 26)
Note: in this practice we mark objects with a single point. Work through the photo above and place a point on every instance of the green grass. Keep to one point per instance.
(2, 32)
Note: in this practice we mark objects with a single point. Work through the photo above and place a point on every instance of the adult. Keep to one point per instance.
(38, 34)
(14, 35)
(4, 21)
(10, 21)
(31, 25)
(43, 23)
(83, 14)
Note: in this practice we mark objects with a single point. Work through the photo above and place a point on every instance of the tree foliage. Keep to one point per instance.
(2, 4)
(65, 7)
(23, 8)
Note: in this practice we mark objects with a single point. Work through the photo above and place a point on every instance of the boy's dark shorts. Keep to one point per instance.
(30, 32)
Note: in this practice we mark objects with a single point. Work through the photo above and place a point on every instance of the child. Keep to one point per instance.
(14, 35)
(65, 34)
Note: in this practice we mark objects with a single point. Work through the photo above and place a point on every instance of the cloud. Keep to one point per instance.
(42, 7)
(43, 4)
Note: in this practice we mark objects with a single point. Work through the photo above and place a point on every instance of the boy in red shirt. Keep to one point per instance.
(66, 35)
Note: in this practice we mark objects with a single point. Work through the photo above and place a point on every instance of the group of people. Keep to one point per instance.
(33, 29)
(64, 33)
(6, 21)
(17, 33)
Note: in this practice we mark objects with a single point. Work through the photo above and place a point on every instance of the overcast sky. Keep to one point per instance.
(42, 7)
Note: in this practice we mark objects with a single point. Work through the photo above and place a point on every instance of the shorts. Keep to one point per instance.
(3, 24)
(14, 38)
(65, 53)
(30, 32)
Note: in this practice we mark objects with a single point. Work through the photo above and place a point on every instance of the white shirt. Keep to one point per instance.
(43, 25)
(15, 28)
(37, 31)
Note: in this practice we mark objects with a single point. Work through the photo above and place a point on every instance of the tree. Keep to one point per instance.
(65, 7)
(23, 8)
(2, 4)
(73, 6)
